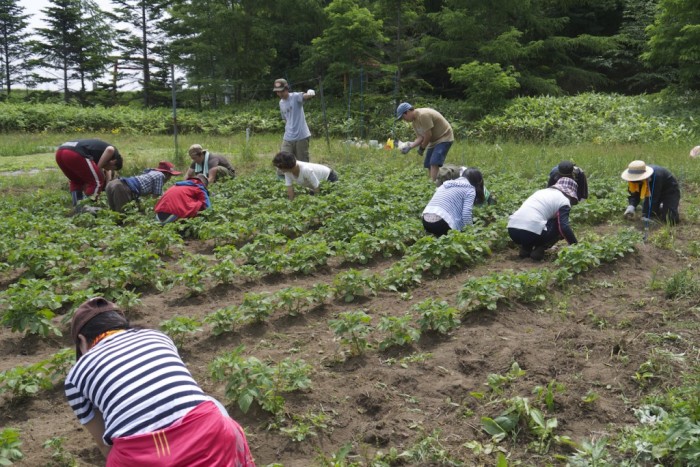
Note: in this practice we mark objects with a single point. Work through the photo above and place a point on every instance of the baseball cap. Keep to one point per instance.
(280, 84)
(402, 109)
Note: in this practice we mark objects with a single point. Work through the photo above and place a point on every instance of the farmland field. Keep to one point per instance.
(336, 332)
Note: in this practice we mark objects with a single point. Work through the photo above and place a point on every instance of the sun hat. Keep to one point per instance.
(566, 168)
(195, 149)
(280, 85)
(567, 186)
(402, 109)
(695, 152)
(637, 171)
(85, 312)
(167, 167)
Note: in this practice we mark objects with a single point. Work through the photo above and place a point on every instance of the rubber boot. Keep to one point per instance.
(525, 251)
(76, 196)
(538, 253)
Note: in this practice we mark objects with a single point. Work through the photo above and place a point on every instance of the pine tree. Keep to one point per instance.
(14, 43)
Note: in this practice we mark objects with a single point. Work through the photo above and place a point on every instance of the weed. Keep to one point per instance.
(497, 382)
(682, 284)
(546, 393)
(590, 397)
(60, 457)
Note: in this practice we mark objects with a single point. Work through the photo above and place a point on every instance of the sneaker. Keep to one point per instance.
(525, 251)
(538, 253)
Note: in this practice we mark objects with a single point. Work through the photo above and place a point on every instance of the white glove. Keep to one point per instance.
(646, 219)
(629, 212)
(311, 92)
(405, 149)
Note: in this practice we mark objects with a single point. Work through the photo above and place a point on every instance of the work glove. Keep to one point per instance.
(629, 212)
(421, 150)
(405, 149)
(646, 220)
(310, 92)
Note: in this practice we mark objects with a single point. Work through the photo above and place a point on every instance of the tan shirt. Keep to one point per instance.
(430, 119)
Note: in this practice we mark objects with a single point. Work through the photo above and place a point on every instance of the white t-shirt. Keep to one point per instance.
(310, 175)
(537, 210)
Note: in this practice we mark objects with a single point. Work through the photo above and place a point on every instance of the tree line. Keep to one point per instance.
(483, 51)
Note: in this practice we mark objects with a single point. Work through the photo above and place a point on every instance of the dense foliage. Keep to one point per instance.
(233, 50)
(597, 118)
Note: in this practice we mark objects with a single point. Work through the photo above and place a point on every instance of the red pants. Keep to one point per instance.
(202, 438)
(82, 172)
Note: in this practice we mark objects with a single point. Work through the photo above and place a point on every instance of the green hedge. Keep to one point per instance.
(598, 118)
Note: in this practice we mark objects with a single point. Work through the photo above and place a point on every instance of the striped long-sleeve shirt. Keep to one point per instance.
(138, 382)
(453, 202)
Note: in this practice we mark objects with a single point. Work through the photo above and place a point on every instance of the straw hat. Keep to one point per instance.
(637, 171)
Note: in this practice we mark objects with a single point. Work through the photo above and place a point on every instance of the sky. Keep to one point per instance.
(34, 7)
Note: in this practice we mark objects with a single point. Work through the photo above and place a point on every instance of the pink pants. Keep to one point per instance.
(202, 438)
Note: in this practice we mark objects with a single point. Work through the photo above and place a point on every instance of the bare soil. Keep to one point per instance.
(591, 336)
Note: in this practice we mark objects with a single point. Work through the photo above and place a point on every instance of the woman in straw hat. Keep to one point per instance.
(139, 402)
(543, 219)
(657, 187)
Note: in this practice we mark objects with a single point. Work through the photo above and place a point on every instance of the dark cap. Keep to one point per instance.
(86, 312)
(566, 168)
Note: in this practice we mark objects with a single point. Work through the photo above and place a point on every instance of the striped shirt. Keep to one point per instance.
(138, 382)
(453, 202)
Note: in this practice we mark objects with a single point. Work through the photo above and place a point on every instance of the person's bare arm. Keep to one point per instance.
(424, 140)
(96, 428)
(212, 175)
(290, 192)
(189, 173)
(106, 156)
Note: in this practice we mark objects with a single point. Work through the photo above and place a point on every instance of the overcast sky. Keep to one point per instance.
(34, 7)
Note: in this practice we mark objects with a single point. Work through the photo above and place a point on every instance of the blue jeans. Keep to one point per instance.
(436, 155)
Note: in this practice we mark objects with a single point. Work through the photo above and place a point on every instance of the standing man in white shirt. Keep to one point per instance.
(296, 131)
(306, 174)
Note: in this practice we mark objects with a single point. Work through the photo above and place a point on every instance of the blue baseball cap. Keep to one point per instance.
(402, 109)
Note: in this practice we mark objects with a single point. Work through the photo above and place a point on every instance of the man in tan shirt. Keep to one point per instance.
(434, 133)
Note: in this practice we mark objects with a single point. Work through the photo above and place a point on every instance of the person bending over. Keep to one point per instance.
(306, 174)
(137, 399)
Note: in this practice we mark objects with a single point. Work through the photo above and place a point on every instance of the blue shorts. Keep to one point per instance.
(436, 155)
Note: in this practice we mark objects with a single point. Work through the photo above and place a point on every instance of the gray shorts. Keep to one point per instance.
(299, 148)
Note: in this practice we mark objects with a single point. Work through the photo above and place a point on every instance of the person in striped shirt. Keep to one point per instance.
(450, 207)
(137, 399)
